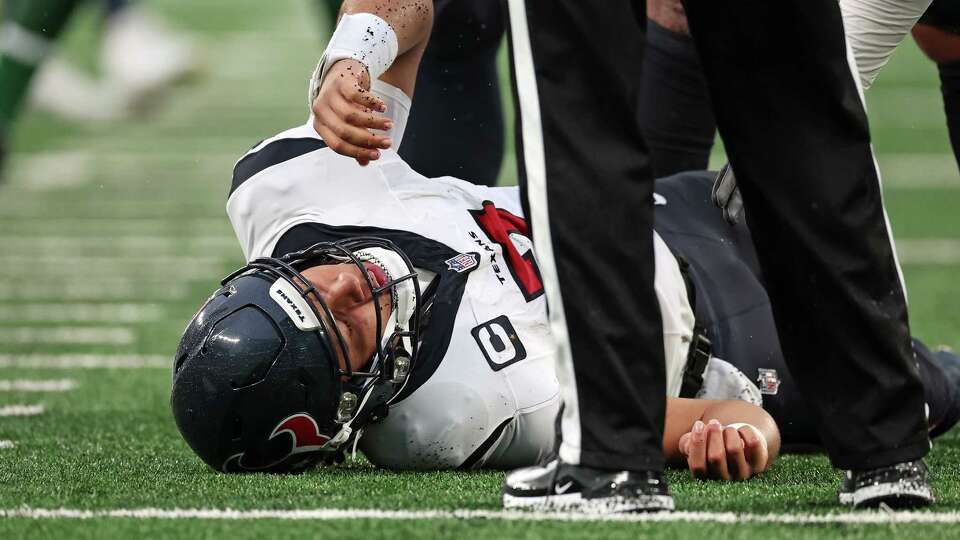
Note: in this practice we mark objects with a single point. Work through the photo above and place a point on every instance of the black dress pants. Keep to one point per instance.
(586, 176)
(796, 132)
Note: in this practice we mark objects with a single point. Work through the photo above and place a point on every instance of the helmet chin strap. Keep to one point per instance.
(404, 296)
(346, 430)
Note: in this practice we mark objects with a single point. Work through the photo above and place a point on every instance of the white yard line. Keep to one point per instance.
(99, 289)
(152, 244)
(121, 259)
(6, 445)
(109, 228)
(918, 171)
(935, 251)
(85, 361)
(108, 224)
(31, 385)
(21, 410)
(327, 514)
(58, 169)
(45, 171)
(83, 312)
(121, 264)
(79, 335)
(129, 204)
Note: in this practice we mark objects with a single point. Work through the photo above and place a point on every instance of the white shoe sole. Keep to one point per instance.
(575, 502)
(890, 492)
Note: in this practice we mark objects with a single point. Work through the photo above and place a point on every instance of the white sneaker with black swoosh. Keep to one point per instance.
(558, 486)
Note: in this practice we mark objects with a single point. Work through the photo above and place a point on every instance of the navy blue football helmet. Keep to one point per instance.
(257, 384)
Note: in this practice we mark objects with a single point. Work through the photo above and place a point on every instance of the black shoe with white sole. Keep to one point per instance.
(558, 486)
(902, 485)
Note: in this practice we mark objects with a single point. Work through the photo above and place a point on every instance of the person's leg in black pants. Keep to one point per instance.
(675, 113)
(456, 123)
(795, 129)
(586, 176)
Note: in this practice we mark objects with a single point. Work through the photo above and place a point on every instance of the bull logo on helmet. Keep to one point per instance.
(304, 436)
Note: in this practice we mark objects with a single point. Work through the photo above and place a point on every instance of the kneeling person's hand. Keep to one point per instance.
(344, 113)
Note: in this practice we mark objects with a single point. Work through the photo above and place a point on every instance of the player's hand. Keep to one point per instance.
(345, 112)
(726, 195)
(669, 14)
(715, 452)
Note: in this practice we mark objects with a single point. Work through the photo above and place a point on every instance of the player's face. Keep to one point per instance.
(346, 292)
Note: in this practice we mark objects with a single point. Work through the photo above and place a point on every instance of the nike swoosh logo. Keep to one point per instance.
(560, 490)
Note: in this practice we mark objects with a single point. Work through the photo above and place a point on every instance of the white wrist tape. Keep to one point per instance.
(756, 431)
(363, 37)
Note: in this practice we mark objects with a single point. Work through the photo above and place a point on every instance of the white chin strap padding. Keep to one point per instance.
(403, 292)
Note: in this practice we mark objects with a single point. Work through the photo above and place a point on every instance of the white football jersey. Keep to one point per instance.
(484, 391)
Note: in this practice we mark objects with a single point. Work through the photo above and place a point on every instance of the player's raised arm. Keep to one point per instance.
(723, 440)
(382, 39)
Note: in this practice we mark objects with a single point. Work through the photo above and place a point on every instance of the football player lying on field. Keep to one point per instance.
(419, 319)
(409, 310)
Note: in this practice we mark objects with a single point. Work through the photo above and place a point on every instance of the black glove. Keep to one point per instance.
(726, 195)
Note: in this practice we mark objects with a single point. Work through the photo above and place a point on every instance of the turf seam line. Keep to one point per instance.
(328, 514)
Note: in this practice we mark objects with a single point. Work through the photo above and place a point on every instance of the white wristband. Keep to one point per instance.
(756, 431)
(363, 37)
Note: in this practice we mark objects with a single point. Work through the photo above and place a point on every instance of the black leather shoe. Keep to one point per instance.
(902, 485)
(558, 486)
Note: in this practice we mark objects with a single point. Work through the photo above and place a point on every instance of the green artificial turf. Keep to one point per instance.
(89, 212)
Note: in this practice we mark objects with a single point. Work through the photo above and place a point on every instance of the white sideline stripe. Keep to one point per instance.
(6, 445)
(30, 385)
(84, 312)
(67, 334)
(21, 410)
(85, 361)
(328, 514)
(929, 251)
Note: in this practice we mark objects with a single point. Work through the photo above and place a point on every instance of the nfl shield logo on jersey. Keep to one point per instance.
(768, 381)
(463, 262)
